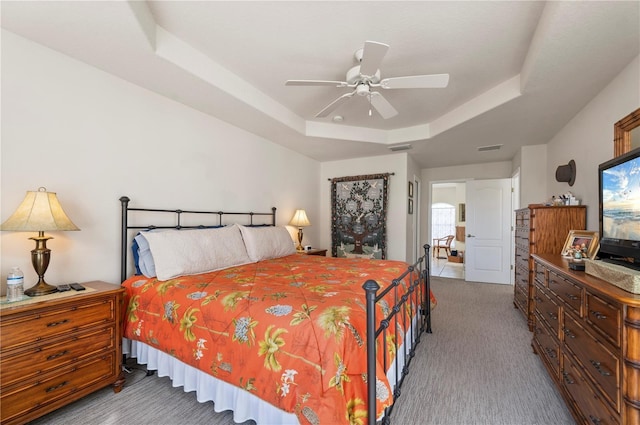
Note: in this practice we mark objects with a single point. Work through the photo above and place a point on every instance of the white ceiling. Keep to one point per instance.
(519, 71)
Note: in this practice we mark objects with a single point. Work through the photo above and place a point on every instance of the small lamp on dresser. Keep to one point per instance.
(300, 220)
(39, 212)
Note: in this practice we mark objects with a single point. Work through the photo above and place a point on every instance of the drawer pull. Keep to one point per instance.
(568, 333)
(551, 353)
(553, 316)
(572, 297)
(567, 379)
(61, 322)
(598, 367)
(55, 356)
(598, 315)
(56, 387)
(594, 420)
(538, 299)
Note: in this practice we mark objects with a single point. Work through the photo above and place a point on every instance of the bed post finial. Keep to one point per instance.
(371, 287)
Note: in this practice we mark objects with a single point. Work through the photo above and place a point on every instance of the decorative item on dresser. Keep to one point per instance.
(587, 333)
(58, 348)
(540, 229)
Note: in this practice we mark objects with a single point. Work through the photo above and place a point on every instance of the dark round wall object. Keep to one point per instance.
(567, 173)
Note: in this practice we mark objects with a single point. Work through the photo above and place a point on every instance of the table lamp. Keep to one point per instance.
(39, 212)
(299, 220)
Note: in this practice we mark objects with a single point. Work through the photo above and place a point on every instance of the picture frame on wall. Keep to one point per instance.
(583, 240)
(410, 208)
(410, 190)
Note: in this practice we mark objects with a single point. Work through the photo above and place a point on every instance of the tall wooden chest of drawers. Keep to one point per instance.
(587, 334)
(540, 229)
(55, 350)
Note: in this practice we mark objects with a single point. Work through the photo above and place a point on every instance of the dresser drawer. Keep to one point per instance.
(547, 309)
(538, 274)
(549, 348)
(19, 366)
(30, 327)
(604, 317)
(521, 298)
(567, 291)
(50, 388)
(592, 407)
(598, 360)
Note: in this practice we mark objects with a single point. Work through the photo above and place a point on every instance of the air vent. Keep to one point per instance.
(489, 148)
(400, 147)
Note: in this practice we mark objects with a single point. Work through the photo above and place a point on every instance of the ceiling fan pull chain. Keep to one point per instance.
(369, 104)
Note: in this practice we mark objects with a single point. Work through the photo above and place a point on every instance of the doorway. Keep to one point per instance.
(446, 218)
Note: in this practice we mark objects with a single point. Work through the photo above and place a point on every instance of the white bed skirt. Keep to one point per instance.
(225, 396)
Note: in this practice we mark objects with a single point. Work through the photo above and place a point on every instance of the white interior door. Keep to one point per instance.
(488, 242)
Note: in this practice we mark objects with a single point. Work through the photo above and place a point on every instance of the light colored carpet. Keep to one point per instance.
(476, 368)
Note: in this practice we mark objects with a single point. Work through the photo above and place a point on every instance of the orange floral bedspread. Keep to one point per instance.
(291, 330)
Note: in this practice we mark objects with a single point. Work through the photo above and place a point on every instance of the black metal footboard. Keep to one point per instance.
(417, 302)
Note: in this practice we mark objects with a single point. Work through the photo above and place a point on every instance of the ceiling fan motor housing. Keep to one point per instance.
(354, 76)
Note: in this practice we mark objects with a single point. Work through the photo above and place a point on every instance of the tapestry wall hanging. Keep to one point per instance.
(359, 216)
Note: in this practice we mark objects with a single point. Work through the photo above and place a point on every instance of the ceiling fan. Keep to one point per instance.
(365, 76)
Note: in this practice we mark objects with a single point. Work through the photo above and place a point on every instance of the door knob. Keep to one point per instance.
(469, 235)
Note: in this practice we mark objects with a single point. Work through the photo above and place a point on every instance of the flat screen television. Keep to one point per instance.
(619, 183)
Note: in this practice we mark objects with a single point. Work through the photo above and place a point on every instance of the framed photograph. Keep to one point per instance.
(410, 206)
(410, 190)
(462, 214)
(581, 240)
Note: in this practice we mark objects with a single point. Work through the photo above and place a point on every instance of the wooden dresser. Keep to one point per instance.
(539, 230)
(587, 334)
(56, 349)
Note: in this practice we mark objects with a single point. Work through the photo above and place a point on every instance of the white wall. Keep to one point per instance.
(397, 206)
(92, 137)
(588, 139)
(533, 175)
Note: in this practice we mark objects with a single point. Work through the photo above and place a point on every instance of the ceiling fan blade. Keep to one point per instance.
(334, 105)
(384, 108)
(316, 83)
(434, 81)
(372, 56)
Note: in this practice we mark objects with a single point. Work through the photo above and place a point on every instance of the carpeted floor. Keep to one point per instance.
(476, 368)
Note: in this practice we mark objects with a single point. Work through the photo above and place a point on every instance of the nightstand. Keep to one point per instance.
(57, 348)
(319, 252)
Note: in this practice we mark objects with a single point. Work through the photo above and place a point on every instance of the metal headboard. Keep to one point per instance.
(124, 200)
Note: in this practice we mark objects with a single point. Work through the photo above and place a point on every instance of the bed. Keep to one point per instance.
(229, 310)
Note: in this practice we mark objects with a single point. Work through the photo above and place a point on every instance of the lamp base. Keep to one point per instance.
(42, 288)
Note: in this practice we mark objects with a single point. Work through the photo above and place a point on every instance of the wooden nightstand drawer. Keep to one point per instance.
(53, 387)
(57, 348)
(17, 366)
(32, 327)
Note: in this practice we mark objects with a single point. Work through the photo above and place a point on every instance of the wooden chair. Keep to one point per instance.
(442, 243)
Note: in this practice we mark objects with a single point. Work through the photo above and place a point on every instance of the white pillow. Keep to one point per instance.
(185, 252)
(267, 242)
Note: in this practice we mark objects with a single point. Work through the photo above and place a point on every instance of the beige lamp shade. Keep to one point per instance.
(300, 219)
(39, 211)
